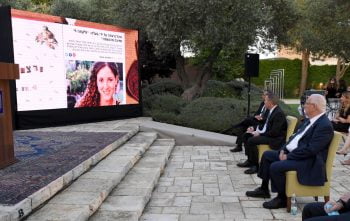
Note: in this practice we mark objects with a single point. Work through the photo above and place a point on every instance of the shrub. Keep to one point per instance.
(165, 117)
(167, 103)
(231, 89)
(219, 89)
(215, 114)
(212, 114)
(163, 87)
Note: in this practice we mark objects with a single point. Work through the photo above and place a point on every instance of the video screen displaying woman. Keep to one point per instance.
(99, 87)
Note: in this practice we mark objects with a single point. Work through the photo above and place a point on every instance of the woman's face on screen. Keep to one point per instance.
(106, 83)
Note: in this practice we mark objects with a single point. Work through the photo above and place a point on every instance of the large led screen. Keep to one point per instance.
(68, 66)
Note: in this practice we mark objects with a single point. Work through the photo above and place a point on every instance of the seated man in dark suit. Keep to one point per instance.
(317, 211)
(258, 120)
(272, 133)
(305, 152)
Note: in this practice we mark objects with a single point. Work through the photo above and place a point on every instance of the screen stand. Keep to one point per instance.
(7, 72)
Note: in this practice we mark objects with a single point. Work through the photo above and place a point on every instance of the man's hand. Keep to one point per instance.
(335, 206)
(250, 130)
(282, 155)
(342, 120)
(255, 133)
(258, 117)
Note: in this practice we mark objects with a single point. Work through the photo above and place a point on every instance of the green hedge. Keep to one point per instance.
(317, 74)
(292, 70)
(321, 74)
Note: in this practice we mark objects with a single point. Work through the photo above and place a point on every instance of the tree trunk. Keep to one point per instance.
(304, 70)
(180, 69)
(342, 67)
(203, 76)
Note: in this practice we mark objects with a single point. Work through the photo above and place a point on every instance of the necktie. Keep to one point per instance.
(300, 129)
(261, 126)
(303, 127)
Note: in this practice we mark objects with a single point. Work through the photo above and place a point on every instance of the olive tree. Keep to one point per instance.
(205, 27)
(331, 28)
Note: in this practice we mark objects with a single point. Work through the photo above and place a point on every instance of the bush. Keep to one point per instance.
(231, 89)
(163, 87)
(165, 117)
(167, 103)
(213, 114)
(219, 89)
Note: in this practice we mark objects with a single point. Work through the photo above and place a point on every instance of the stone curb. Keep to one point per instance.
(188, 136)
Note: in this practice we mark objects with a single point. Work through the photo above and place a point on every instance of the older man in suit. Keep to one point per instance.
(272, 133)
(305, 152)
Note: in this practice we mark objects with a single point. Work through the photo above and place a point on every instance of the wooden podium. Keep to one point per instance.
(7, 72)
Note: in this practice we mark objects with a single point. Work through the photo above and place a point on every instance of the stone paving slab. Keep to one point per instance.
(106, 215)
(88, 194)
(134, 191)
(204, 183)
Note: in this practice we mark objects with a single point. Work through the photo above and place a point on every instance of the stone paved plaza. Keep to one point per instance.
(198, 183)
(203, 183)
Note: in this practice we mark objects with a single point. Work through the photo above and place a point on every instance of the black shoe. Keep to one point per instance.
(258, 193)
(252, 170)
(275, 203)
(244, 164)
(236, 149)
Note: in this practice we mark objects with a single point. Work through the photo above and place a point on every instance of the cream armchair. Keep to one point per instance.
(293, 186)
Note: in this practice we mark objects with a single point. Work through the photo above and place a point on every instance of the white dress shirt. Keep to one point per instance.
(293, 144)
(267, 119)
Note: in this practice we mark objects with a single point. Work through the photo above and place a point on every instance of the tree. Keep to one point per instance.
(300, 37)
(42, 6)
(206, 27)
(152, 64)
(331, 21)
(106, 12)
(21, 4)
(321, 29)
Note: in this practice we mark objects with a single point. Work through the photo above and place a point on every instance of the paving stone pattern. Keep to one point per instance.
(199, 183)
(203, 183)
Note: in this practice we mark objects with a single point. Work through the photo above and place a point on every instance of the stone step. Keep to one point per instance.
(81, 199)
(129, 198)
(32, 202)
